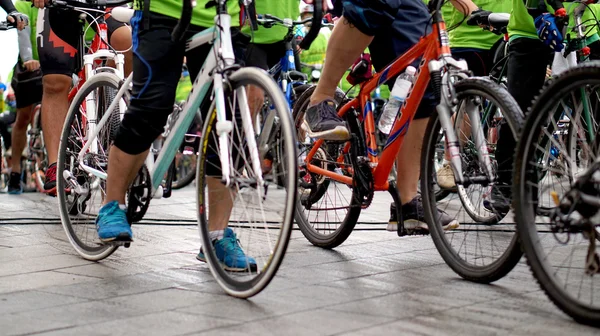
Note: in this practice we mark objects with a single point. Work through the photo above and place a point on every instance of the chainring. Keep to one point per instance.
(139, 195)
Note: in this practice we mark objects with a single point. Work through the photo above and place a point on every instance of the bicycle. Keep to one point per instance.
(556, 184)
(354, 169)
(219, 90)
(4, 175)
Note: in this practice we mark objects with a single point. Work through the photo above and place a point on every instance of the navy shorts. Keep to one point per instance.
(396, 26)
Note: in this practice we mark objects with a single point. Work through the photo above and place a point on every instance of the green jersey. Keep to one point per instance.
(283, 9)
(521, 23)
(32, 12)
(466, 36)
(201, 16)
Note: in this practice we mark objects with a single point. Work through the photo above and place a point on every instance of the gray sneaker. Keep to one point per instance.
(322, 122)
(414, 218)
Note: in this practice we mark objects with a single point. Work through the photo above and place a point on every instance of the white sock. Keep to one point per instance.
(216, 235)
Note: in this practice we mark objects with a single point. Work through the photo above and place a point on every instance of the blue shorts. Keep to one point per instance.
(396, 26)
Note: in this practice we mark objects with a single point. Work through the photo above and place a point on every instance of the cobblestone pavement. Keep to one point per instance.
(374, 284)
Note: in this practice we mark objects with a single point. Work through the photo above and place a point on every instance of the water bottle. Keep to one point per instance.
(397, 97)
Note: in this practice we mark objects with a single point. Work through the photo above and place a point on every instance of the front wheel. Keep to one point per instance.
(81, 198)
(256, 211)
(561, 242)
(483, 248)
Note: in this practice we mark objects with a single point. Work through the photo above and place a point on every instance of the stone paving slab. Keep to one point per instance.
(374, 284)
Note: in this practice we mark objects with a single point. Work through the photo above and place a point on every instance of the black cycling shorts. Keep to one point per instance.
(480, 61)
(157, 63)
(264, 56)
(58, 38)
(396, 26)
(27, 86)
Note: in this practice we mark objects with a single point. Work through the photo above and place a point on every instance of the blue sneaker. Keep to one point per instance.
(230, 254)
(112, 224)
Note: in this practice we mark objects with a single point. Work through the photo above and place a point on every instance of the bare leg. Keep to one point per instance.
(19, 136)
(54, 110)
(127, 167)
(219, 206)
(408, 161)
(340, 55)
(121, 40)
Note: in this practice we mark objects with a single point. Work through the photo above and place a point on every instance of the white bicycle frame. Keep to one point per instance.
(220, 56)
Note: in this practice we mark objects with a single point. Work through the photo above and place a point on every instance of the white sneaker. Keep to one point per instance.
(445, 177)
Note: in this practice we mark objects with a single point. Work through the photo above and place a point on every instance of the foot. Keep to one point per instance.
(445, 177)
(499, 199)
(230, 254)
(322, 122)
(15, 186)
(413, 216)
(50, 183)
(112, 224)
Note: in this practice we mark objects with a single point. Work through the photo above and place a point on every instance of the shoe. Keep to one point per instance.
(499, 199)
(230, 254)
(445, 177)
(322, 122)
(15, 186)
(50, 183)
(112, 224)
(413, 216)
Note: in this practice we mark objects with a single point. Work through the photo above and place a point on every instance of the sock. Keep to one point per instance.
(216, 235)
(123, 207)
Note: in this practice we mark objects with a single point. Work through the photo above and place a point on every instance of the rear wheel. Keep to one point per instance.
(81, 198)
(482, 249)
(326, 211)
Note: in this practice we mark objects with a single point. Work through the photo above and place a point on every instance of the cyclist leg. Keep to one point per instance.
(58, 39)
(410, 22)
(263, 56)
(119, 35)
(27, 93)
(529, 59)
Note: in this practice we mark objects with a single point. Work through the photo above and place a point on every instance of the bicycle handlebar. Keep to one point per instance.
(87, 4)
(315, 26)
(269, 20)
(7, 25)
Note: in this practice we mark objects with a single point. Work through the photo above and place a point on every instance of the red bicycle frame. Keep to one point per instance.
(429, 48)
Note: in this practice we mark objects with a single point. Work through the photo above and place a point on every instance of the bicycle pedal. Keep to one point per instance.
(123, 243)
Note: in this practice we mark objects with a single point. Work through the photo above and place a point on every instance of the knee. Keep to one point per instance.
(121, 39)
(23, 118)
(56, 84)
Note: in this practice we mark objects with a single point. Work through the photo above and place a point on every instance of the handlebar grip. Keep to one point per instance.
(315, 27)
(184, 21)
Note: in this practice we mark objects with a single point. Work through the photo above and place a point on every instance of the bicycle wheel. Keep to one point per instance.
(326, 211)
(81, 197)
(185, 168)
(37, 149)
(558, 250)
(259, 216)
(481, 250)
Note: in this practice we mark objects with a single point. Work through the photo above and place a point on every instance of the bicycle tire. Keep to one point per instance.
(233, 287)
(510, 257)
(343, 231)
(526, 213)
(90, 252)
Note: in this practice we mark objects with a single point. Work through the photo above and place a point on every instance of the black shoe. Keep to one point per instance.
(413, 216)
(322, 122)
(15, 187)
(499, 200)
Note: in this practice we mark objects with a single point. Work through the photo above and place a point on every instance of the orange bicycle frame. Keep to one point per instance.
(431, 47)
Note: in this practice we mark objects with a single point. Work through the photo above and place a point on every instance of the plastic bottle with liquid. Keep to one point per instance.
(397, 96)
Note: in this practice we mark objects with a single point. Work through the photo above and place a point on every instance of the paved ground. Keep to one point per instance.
(374, 284)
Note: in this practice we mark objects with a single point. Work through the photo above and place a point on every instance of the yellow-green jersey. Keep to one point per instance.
(201, 16)
(466, 36)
